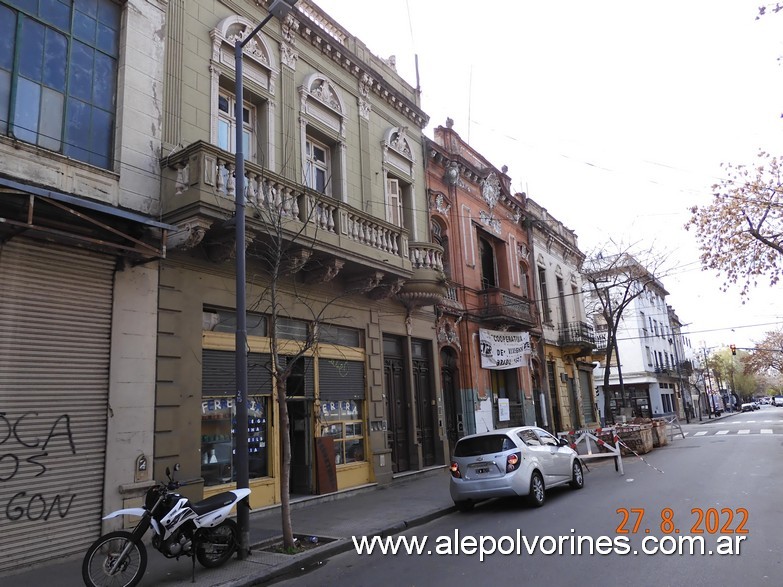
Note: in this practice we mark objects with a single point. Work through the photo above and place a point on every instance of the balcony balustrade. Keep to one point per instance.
(500, 305)
(199, 195)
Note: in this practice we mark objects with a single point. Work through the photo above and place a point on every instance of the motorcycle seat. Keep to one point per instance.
(212, 503)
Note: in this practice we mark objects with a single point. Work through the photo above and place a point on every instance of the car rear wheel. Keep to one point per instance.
(577, 476)
(464, 506)
(537, 493)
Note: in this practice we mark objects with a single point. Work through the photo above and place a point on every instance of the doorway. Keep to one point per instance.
(299, 414)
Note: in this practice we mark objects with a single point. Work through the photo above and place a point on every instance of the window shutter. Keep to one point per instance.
(394, 201)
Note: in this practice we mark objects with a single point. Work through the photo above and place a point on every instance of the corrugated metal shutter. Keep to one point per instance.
(340, 380)
(55, 326)
(218, 371)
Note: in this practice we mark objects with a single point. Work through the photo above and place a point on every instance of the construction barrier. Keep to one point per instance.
(588, 437)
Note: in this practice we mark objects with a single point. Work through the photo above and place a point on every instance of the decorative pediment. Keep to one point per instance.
(260, 67)
(397, 151)
(321, 100)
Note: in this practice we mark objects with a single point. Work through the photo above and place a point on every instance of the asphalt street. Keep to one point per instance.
(720, 484)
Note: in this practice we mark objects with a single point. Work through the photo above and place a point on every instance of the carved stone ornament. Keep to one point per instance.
(325, 273)
(399, 142)
(239, 31)
(323, 91)
(451, 176)
(365, 283)
(289, 29)
(441, 204)
(490, 221)
(447, 333)
(288, 55)
(490, 189)
(365, 83)
(387, 289)
(189, 235)
(364, 108)
(524, 251)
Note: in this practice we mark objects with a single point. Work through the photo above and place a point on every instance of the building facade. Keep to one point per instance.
(478, 221)
(337, 241)
(646, 353)
(80, 136)
(568, 391)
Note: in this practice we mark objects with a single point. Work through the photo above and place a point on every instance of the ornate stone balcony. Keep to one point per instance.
(577, 338)
(327, 237)
(502, 306)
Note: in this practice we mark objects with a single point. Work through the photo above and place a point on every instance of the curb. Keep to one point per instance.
(340, 545)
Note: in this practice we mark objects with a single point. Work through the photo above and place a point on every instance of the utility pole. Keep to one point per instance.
(279, 9)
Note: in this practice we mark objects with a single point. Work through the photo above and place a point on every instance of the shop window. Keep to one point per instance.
(58, 72)
(340, 335)
(342, 421)
(292, 329)
(218, 439)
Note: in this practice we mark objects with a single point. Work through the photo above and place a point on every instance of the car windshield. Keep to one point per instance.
(481, 445)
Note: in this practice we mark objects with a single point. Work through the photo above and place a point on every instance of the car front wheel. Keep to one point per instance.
(537, 493)
(577, 476)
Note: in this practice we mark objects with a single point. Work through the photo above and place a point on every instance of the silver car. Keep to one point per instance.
(522, 461)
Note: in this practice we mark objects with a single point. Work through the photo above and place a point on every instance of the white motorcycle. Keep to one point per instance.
(199, 530)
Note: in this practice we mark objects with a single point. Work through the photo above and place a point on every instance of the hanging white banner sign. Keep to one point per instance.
(503, 350)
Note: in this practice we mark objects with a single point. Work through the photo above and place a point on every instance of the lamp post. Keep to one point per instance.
(278, 9)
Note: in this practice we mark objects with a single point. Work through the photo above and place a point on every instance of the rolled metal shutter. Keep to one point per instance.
(55, 327)
(340, 380)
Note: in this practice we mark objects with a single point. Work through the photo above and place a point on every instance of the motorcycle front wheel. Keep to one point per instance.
(216, 545)
(105, 553)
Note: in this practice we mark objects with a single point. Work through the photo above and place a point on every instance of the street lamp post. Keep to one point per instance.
(279, 9)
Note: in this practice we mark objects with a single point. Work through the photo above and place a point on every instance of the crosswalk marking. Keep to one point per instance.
(743, 432)
(719, 432)
(701, 433)
(766, 431)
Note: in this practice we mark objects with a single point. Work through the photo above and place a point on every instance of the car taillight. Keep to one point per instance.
(455, 470)
(513, 461)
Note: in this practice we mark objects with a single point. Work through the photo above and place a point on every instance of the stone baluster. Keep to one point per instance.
(220, 181)
(181, 183)
(231, 184)
(250, 190)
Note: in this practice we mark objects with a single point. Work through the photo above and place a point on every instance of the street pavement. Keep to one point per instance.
(408, 501)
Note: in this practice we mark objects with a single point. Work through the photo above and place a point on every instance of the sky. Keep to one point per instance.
(614, 115)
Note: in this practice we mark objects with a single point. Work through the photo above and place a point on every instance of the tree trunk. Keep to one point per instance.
(285, 466)
(608, 417)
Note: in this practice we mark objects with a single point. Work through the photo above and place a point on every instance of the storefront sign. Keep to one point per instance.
(503, 350)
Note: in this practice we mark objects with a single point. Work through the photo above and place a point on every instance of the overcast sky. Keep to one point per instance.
(614, 115)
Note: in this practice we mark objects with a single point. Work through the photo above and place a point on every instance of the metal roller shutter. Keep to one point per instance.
(218, 374)
(340, 380)
(55, 326)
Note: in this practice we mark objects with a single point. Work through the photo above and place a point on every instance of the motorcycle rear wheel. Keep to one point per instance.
(216, 545)
(103, 554)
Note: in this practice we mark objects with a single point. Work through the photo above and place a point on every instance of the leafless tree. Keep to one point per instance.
(615, 275)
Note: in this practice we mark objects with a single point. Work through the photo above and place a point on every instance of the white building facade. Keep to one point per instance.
(646, 372)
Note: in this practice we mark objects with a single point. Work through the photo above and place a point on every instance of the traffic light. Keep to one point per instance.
(733, 348)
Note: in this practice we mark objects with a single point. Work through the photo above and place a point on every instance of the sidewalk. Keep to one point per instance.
(374, 510)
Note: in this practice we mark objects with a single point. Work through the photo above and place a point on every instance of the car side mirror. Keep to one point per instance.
(564, 442)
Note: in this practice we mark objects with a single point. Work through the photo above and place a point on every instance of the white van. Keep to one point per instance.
(778, 401)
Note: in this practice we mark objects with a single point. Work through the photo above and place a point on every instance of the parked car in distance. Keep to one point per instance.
(523, 461)
(778, 401)
(748, 407)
